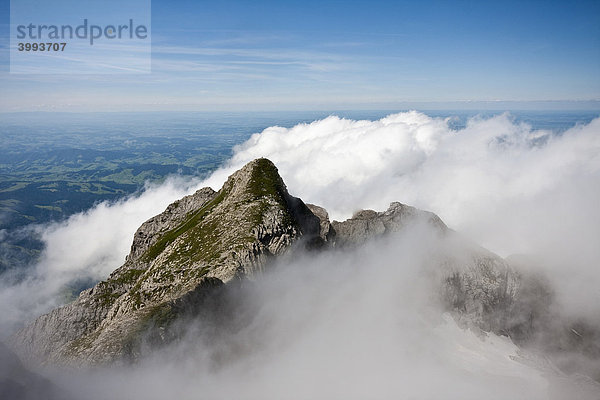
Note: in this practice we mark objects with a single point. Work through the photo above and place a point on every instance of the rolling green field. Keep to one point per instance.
(48, 184)
(55, 165)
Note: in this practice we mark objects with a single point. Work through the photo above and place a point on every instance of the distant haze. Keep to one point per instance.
(317, 55)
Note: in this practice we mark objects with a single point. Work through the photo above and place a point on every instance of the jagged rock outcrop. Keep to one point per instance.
(326, 232)
(477, 285)
(206, 237)
(537, 321)
(153, 229)
(480, 288)
(181, 260)
(367, 224)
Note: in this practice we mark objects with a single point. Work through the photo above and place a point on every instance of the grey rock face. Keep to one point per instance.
(326, 232)
(151, 230)
(481, 289)
(206, 237)
(367, 224)
(181, 260)
(573, 343)
(476, 285)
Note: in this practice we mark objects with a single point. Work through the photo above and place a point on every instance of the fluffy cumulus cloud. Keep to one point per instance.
(362, 325)
(507, 186)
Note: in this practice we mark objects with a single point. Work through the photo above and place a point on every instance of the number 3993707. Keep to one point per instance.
(25, 46)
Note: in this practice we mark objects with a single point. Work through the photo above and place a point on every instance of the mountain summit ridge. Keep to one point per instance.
(208, 236)
(181, 259)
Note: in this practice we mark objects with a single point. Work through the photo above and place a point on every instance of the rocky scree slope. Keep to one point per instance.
(183, 260)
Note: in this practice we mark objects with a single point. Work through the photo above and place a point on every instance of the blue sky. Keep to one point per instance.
(314, 55)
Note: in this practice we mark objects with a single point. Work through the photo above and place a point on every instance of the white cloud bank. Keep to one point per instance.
(361, 324)
(508, 187)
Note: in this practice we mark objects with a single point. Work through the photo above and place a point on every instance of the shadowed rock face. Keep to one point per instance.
(200, 240)
(187, 260)
(537, 321)
(18, 383)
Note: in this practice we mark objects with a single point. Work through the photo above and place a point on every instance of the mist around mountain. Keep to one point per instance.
(195, 275)
(368, 318)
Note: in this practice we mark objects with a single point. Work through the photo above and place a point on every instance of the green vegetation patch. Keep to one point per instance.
(9, 203)
(15, 186)
(128, 277)
(265, 183)
(49, 208)
(161, 315)
(195, 219)
(107, 297)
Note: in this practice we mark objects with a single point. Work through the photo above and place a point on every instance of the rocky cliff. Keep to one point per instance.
(367, 224)
(181, 260)
(200, 241)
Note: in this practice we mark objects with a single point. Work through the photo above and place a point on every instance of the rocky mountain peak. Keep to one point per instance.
(182, 258)
(207, 238)
(256, 179)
